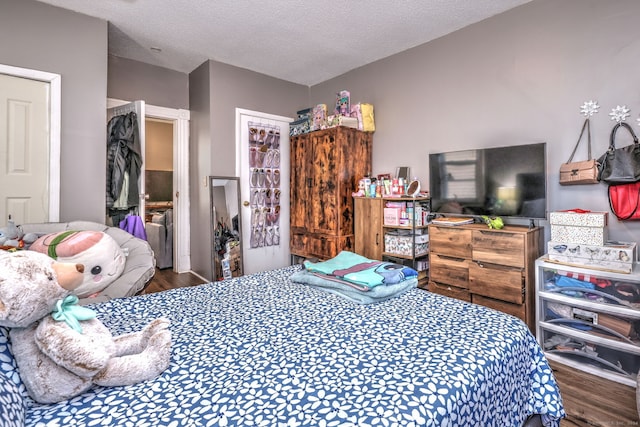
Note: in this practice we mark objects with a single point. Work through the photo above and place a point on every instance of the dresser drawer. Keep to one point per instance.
(449, 270)
(502, 283)
(449, 291)
(451, 241)
(506, 307)
(503, 248)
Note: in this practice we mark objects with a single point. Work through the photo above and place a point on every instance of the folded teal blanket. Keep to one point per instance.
(360, 272)
(373, 295)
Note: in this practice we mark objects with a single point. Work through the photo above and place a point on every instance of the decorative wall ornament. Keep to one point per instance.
(589, 108)
(620, 113)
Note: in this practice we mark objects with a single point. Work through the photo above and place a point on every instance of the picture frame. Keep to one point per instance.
(403, 172)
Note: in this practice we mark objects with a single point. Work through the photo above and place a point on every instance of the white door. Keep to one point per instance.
(137, 107)
(24, 149)
(262, 163)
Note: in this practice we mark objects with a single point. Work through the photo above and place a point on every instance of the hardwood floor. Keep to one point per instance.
(168, 279)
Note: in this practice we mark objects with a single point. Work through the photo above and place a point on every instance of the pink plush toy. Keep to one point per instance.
(102, 257)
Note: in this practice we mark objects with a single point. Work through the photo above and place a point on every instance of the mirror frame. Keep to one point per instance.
(216, 182)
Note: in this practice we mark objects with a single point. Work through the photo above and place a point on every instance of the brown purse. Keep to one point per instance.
(585, 172)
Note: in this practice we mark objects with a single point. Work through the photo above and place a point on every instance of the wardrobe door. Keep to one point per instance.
(323, 202)
(299, 193)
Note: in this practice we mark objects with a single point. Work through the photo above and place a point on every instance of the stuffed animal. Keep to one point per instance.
(100, 254)
(62, 349)
(12, 237)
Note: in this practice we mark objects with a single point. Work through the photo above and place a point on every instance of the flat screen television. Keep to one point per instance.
(501, 181)
(158, 185)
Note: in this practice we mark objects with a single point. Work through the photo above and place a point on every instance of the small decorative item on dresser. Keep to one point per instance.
(495, 223)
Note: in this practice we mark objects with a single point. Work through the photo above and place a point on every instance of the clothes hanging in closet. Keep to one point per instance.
(124, 163)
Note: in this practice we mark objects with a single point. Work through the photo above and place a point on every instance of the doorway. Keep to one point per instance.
(264, 189)
(179, 120)
(49, 183)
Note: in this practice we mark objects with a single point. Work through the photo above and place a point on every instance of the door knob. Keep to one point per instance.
(245, 203)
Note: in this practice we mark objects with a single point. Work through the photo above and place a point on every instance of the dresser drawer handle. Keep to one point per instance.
(493, 232)
(452, 258)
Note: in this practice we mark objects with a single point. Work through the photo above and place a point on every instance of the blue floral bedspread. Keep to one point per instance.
(261, 350)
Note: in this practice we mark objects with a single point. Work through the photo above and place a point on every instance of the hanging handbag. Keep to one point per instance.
(621, 165)
(624, 200)
(586, 172)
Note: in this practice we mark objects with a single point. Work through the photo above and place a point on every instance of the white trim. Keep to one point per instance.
(55, 97)
(182, 226)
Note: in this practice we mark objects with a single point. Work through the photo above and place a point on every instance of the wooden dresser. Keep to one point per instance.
(326, 166)
(494, 268)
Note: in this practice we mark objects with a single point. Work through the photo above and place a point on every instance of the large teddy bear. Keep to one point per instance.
(61, 349)
(102, 257)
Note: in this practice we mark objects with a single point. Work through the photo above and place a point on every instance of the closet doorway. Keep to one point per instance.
(178, 122)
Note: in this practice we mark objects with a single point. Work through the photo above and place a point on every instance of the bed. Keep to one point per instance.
(262, 350)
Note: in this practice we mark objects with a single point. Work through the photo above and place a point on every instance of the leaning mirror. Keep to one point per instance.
(226, 233)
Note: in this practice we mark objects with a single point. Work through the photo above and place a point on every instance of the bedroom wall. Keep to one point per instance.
(45, 38)
(216, 90)
(131, 80)
(515, 78)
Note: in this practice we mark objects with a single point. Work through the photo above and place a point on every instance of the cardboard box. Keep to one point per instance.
(612, 256)
(596, 236)
(333, 121)
(582, 227)
(579, 218)
(403, 244)
(392, 216)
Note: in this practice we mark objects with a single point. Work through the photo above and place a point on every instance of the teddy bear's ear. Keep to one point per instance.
(29, 288)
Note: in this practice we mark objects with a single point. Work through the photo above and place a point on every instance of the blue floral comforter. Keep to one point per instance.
(261, 350)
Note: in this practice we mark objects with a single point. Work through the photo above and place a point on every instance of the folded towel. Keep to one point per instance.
(361, 271)
(372, 295)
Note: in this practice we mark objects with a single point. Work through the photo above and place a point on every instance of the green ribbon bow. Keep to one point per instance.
(68, 311)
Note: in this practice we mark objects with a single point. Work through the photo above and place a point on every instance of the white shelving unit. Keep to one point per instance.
(587, 341)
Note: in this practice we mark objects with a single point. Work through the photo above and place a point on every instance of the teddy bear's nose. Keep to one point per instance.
(80, 268)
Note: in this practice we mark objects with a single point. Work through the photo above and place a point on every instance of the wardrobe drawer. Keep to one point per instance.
(449, 270)
(497, 282)
(498, 247)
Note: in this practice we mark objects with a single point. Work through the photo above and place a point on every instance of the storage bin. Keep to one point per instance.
(586, 228)
(612, 256)
(583, 348)
(403, 245)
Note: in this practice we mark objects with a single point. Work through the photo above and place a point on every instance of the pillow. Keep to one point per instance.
(102, 257)
(12, 403)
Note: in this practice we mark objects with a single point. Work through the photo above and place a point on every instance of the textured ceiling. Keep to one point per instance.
(305, 42)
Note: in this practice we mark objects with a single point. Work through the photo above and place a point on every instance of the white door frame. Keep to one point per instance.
(182, 228)
(55, 93)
